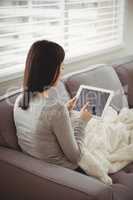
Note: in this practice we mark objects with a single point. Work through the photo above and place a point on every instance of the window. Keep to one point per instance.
(80, 26)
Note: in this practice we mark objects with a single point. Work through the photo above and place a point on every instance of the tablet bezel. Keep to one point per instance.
(111, 94)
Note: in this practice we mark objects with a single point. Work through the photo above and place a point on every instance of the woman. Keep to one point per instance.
(44, 126)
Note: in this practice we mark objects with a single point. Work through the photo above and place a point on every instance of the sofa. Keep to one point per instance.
(23, 177)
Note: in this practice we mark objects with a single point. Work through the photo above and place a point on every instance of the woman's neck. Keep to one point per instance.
(45, 93)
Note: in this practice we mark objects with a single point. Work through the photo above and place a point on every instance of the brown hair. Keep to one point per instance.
(42, 69)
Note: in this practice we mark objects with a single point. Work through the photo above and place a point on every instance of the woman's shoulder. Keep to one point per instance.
(48, 105)
(56, 105)
(56, 110)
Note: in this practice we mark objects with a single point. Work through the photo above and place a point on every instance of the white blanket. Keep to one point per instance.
(108, 145)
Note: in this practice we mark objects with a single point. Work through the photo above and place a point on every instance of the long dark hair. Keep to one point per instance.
(42, 69)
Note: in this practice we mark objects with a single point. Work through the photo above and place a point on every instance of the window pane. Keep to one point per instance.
(80, 26)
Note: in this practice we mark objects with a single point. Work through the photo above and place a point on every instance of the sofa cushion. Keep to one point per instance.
(8, 136)
(124, 179)
(98, 76)
(125, 73)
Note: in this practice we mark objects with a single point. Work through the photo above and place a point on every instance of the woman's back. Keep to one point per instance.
(35, 130)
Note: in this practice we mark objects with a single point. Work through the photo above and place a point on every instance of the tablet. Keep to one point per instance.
(98, 98)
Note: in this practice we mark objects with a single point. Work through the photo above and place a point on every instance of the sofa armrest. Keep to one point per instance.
(124, 70)
(25, 177)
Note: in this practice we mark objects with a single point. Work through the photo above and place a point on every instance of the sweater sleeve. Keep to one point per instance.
(62, 127)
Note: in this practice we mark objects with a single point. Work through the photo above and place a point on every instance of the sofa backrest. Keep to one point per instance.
(103, 76)
(8, 136)
(124, 69)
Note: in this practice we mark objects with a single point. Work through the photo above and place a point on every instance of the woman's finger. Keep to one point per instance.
(74, 98)
(85, 106)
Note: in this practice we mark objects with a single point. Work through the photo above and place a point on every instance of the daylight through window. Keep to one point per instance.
(80, 26)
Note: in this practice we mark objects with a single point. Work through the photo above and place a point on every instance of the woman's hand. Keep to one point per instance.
(71, 103)
(84, 113)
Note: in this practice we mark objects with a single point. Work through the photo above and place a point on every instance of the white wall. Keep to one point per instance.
(112, 56)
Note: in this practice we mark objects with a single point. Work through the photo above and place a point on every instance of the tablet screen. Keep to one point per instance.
(97, 100)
